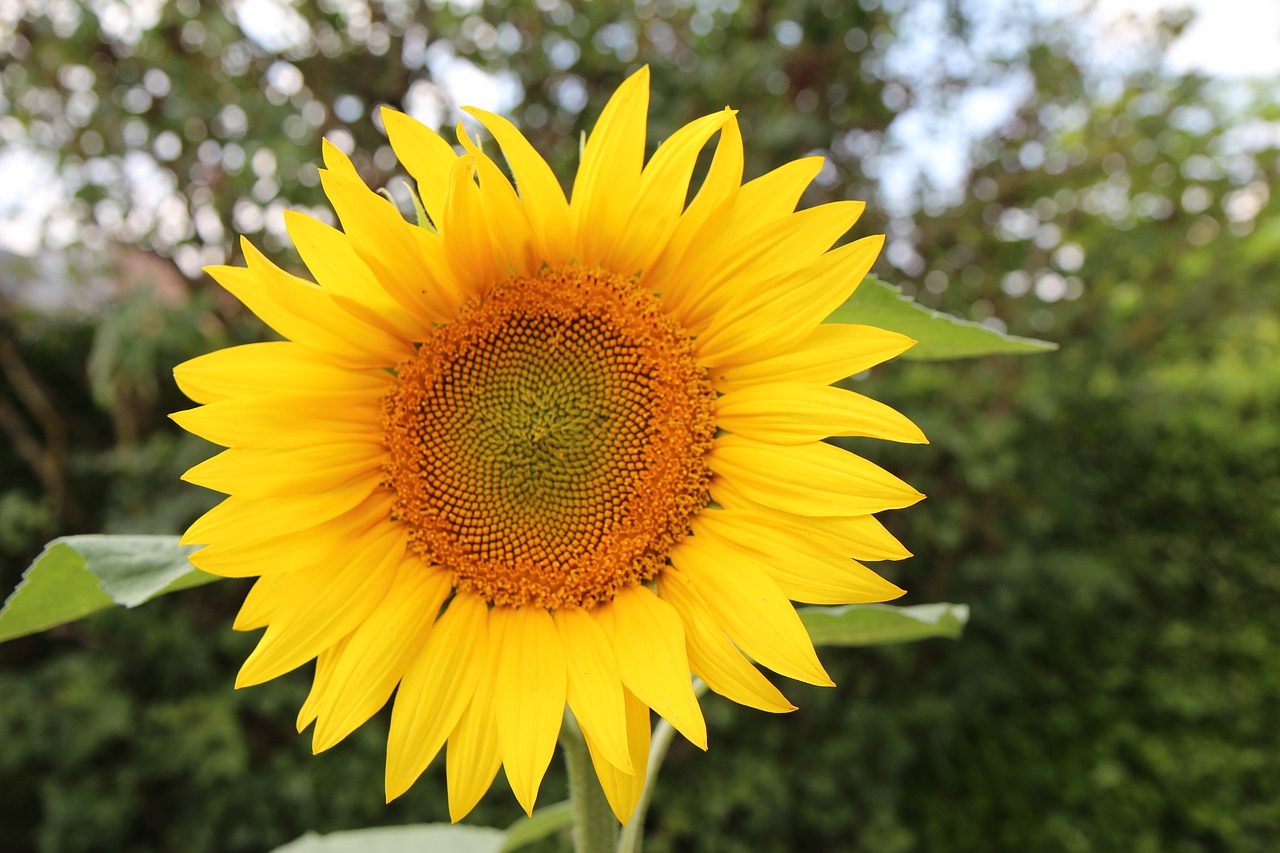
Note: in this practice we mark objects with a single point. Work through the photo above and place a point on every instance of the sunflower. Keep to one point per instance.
(546, 452)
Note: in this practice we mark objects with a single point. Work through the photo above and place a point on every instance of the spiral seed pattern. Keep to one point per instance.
(547, 445)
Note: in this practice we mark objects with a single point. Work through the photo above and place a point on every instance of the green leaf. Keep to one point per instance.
(941, 336)
(415, 838)
(539, 825)
(77, 575)
(877, 624)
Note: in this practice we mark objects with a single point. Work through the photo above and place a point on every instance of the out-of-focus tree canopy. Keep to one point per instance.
(178, 125)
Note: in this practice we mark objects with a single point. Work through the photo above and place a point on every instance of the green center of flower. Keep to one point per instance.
(548, 444)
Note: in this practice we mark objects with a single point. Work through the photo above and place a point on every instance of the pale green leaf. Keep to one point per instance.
(542, 823)
(415, 838)
(77, 575)
(877, 624)
(436, 837)
(940, 336)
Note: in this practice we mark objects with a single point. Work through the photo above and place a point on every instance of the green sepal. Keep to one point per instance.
(419, 210)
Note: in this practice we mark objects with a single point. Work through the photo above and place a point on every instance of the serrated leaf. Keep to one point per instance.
(539, 825)
(941, 336)
(415, 838)
(878, 624)
(78, 575)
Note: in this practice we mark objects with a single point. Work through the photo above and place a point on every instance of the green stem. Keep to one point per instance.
(594, 828)
(663, 732)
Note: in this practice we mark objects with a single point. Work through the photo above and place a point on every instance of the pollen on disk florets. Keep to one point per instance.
(548, 444)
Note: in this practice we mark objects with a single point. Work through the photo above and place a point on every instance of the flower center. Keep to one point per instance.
(547, 445)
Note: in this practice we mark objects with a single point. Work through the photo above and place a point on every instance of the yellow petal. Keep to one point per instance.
(529, 697)
(802, 571)
(862, 537)
(776, 316)
(773, 195)
(608, 178)
(514, 240)
(435, 690)
(239, 519)
(744, 211)
(425, 155)
(664, 184)
(262, 420)
(717, 190)
(270, 368)
(751, 608)
(271, 472)
(473, 755)
(313, 310)
(776, 249)
(378, 652)
(712, 657)
(339, 595)
(265, 597)
(453, 292)
(623, 790)
(305, 314)
(326, 661)
(648, 638)
(595, 687)
(802, 412)
(468, 243)
(540, 192)
(769, 532)
(830, 352)
(344, 275)
(386, 242)
(807, 479)
(302, 549)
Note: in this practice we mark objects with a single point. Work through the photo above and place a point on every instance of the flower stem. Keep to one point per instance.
(594, 828)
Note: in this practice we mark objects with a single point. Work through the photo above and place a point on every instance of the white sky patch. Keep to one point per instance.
(461, 83)
(27, 198)
(457, 82)
(273, 24)
(127, 21)
(1229, 38)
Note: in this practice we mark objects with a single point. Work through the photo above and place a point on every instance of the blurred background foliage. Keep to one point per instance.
(1111, 512)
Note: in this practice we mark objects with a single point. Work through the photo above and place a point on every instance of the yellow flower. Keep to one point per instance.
(551, 452)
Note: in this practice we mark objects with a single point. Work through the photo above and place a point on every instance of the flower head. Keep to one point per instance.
(547, 452)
